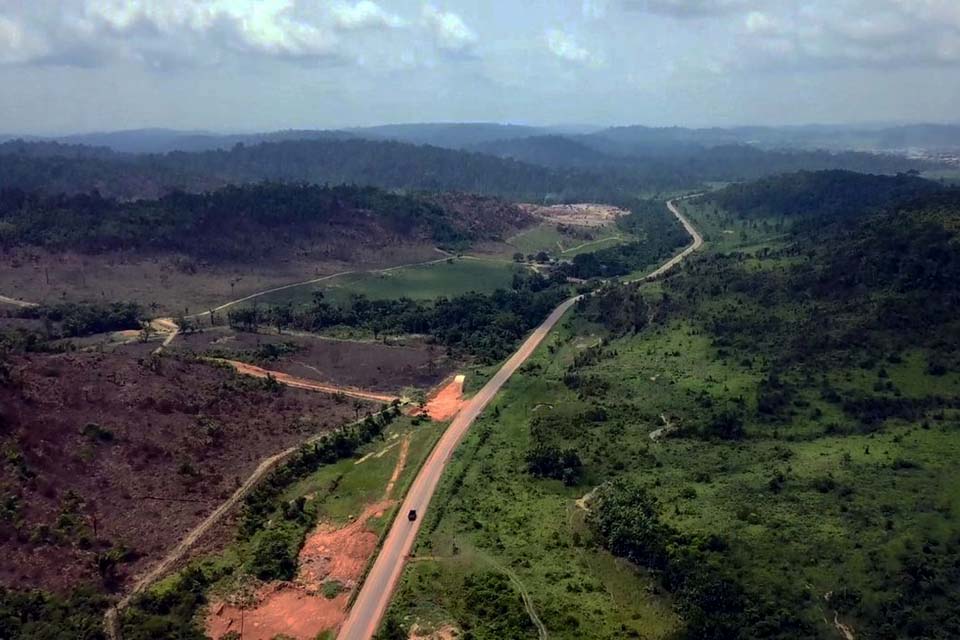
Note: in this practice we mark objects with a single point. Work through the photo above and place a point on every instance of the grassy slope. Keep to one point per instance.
(547, 237)
(854, 511)
(426, 282)
(339, 492)
(488, 515)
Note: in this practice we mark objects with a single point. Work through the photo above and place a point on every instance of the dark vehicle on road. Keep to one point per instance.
(412, 515)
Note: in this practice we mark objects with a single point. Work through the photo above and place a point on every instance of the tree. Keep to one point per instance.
(392, 629)
(726, 425)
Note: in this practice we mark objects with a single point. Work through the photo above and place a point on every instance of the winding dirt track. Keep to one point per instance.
(18, 303)
(304, 283)
(371, 604)
(303, 383)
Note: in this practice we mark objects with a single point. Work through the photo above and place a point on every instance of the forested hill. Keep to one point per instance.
(833, 194)
(245, 222)
(836, 408)
(385, 164)
(552, 168)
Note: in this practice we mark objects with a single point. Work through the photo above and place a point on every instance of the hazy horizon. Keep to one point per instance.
(853, 126)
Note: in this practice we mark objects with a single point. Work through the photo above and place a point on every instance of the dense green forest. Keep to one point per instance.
(657, 235)
(854, 298)
(485, 326)
(551, 168)
(826, 194)
(666, 164)
(236, 222)
(768, 435)
(74, 320)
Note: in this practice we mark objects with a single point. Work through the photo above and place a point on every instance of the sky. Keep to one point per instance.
(257, 65)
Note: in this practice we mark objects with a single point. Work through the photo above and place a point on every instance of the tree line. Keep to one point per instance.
(487, 326)
(232, 223)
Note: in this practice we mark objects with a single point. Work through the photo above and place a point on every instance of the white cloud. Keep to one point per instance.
(565, 47)
(449, 29)
(17, 44)
(187, 31)
(594, 9)
(879, 33)
(365, 15)
(689, 8)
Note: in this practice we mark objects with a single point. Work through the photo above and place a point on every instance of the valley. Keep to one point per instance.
(626, 410)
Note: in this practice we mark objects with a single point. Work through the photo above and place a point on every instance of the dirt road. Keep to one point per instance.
(18, 303)
(374, 597)
(111, 620)
(371, 605)
(304, 283)
(303, 383)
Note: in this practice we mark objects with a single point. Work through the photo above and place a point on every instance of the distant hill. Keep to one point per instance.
(385, 164)
(639, 140)
(448, 135)
(150, 141)
(548, 151)
(826, 194)
(554, 168)
(253, 221)
(621, 140)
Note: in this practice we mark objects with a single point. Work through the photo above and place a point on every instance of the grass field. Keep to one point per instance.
(489, 517)
(825, 519)
(334, 495)
(558, 244)
(449, 278)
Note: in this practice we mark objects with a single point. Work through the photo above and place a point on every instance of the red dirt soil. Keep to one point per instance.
(166, 446)
(365, 365)
(299, 609)
(447, 402)
(309, 385)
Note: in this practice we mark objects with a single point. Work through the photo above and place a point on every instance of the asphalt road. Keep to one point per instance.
(371, 604)
(374, 598)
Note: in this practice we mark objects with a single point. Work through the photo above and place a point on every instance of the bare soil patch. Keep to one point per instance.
(174, 284)
(299, 609)
(579, 215)
(300, 383)
(372, 366)
(109, 451)
(447, 402)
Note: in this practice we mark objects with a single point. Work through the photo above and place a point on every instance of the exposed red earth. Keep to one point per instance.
(446, 403)
(106, 446)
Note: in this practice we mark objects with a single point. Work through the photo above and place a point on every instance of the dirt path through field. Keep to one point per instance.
(303, 383)
(304, 283)
(112, 616)
(18, 303)
(591, 243)
(398, 469)
(330, 565)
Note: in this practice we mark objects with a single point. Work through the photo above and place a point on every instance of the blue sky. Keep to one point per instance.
(242, 65)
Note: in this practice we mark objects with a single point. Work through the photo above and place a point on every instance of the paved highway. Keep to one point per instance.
(374, 598)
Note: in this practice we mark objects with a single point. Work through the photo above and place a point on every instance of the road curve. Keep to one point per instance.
(371, 604)
(680, 257)
(374, 598)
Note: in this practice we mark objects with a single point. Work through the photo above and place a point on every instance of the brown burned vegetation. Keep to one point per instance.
(110, 459)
